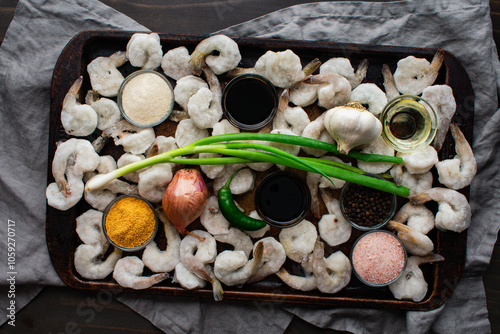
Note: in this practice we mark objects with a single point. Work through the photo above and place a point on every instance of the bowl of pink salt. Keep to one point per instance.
(378, 258)
(145, 98)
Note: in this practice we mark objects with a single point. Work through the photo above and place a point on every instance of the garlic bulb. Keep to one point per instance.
(352, 125)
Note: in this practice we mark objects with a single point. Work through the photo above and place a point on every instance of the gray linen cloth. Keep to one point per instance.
(43, 28)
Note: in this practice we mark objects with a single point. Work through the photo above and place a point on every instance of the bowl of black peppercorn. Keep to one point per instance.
(366, 208)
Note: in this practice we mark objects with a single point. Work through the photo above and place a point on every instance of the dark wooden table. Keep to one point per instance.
(54, 309)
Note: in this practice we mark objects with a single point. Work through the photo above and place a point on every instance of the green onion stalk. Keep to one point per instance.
(234, 149)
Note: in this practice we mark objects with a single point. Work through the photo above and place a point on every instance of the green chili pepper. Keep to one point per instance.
(231, 212)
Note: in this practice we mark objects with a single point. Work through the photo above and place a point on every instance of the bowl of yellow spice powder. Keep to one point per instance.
(130, 223)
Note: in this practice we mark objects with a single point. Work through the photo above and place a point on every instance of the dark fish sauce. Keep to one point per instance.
(282, 199)
(249, 101)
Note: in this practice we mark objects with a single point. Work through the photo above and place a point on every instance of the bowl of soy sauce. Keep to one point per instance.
(282, 199)
(249, 101)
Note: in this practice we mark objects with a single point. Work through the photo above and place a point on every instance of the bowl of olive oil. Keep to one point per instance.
(409, 123)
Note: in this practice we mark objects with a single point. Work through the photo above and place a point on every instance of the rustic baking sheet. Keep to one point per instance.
(62, 239)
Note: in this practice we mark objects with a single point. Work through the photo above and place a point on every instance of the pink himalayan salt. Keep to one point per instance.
(378, 258)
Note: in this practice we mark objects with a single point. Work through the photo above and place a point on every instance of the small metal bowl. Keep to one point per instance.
(281, 192)
(143, 96)
(373, 255)
(145, 242)
(343, 204)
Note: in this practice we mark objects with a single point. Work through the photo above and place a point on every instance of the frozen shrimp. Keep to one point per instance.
(144, 50)
(64, 199)
(273, 257)
(334, 90)
(234, 268)
(343, 67)
(418, 217)
(128, 158)
(415, 242)
(238, 239)
(293, 119)
(371, 95)
(196, 255)
(134, 139)
(204, 107)
(333, 273)
(316, 130)
(457, 173)
(302, 94)
(77, 119)
(227, 58)
(454, 213)
(186, 87)
(304, 282)
(441, 98)
(258, 233)
(154, 181)
(108, 113)
(390, 86)
(163, 260)
(104, 75)
(175, 63)
(187, 279)
(282, 68)
(412, 284)
(161, 145)
(187, 132)
(420, 161)
(332, 227)
(298, 241)
(338, 183)
(128, 271)
(378, 146)
(89, 228)
(413, 74)
(88, 261)
(212, 219)
(292, 149)
(417, 183)
(243, 181)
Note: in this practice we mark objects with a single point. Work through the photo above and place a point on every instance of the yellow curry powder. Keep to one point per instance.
(130, 222)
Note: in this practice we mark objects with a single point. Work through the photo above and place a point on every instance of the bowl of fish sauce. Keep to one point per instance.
(249, 101)
(130, 223)
(282, 199)
(366, 208)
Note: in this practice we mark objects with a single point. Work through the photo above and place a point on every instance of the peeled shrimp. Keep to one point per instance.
(163, 261)
(88, 261)
(418, 217)
(104, 75)
(370, 94)
(204, 107)
(333, 273)
(316, 130)
(305, 282)
(234, 268)
(89, 228)
(187, 132)
(186, 87)
(332, 227)
(197, 254)
(334, 90)
(378, 146)
(413, 75)
(298, 241)
(214, 171)
(292, 149)
(242, 182)
(293, 119)
(258, 233)
(282, 68)
(457, 173)
(187, 279)
(128, 158)
(108, 113)
(454, 213)
(77, 119)
(343, 67)
(71, 160)
(212, 219)
(175, 63)
(154, 181)
(441, 98)
(273, 258)
(415, 242)
(420, 161)
(417, 183)
(412, 284)
(390, 86)
(134, 139)
(144, 50)
(236, 238)
(128, 271)
(302, 94)
(228, 54)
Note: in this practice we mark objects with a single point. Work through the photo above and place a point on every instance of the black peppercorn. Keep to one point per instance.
(366, 206)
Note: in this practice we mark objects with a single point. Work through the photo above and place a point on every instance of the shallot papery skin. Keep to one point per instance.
(185, 198)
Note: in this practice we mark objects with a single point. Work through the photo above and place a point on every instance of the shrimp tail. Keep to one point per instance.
(217, 290)
(311, 67)
(420, 199)
(258, 253)
(197, 60)
(157, 278)
(437, 61)
(431, 258)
